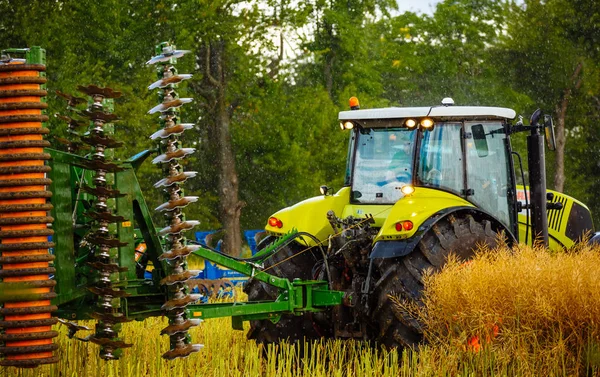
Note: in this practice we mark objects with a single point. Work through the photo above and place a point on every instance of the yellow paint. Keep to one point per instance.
(126, 224)
(557, 236)
(311, 215)
(418, 207)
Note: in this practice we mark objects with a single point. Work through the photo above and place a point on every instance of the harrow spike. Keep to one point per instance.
(101, 165)
(178, 252)
(110, 317)
(107, 142)
(178, 102)
(176, 154)
(93, 91)
(72, 123)
(97, 115)
(175, 79)
(166, 56)
(173, 130)
(180, 328)
(72, 146)
(180, 303)
(177, 203)
(211, 287)
(179, 178)
(179, 278)
(72, 327)
(105, 216)
(72, 100)
(179, 227)
(102, 191)
(182, 352)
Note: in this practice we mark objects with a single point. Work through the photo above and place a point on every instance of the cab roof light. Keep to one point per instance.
(427, 123)
(410, 123)
(354, 104)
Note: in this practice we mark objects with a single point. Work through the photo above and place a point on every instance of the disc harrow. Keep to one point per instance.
(26, 312)
(105, 285)
(171, 152)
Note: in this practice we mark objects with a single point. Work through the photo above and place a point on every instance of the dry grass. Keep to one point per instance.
(226, 353)
(527, 311)
(545, 307)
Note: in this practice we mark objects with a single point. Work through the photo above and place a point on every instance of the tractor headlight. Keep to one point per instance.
(427, 123)
(348, 125)
(407, 190)
(410, 123)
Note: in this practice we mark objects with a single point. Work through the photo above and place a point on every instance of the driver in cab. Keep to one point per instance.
(400, 169)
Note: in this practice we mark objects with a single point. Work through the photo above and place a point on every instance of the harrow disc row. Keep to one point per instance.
(102, 259)
(27, 289)
(176, 224)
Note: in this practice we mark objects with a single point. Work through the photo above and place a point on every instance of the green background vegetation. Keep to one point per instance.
(281, 106)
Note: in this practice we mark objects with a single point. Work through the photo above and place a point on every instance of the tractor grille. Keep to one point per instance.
(555, 216)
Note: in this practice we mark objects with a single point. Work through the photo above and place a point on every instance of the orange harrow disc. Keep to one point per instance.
(26, 310)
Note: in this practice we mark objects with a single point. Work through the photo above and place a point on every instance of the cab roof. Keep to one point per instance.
(436, 112)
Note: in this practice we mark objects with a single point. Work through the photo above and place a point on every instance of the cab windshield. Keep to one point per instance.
(383, 163)
(470, 159)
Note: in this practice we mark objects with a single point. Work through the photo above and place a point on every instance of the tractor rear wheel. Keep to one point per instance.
(402, 277)
(290, 327)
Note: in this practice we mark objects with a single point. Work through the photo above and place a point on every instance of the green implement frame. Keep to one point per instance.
(146, 296)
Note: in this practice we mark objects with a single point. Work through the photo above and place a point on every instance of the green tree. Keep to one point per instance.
(549, 55)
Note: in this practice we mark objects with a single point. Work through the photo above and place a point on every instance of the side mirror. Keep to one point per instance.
(535, 117)
(481, 144)
(549, 131)
(324, 190)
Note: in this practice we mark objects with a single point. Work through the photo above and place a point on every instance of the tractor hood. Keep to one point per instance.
(311, 215)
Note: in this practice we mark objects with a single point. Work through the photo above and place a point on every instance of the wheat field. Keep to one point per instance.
(519, 312)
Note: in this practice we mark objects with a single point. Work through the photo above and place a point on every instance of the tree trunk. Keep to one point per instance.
(561, 137)
(214, 90)
(329, 62)
(559, 173)
(230, 207)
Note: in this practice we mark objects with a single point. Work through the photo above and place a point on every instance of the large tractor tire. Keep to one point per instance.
(402, 277)
(290, 327)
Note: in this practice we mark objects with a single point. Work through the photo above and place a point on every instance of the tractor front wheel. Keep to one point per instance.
(290, 262)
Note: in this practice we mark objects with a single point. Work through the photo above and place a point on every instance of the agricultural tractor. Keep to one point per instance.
(421, 183)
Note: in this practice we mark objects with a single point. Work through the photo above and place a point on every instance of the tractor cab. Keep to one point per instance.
(408, 168)
(463, 151)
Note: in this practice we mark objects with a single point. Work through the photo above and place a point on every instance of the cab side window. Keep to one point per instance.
(441, 158)
(488, 177)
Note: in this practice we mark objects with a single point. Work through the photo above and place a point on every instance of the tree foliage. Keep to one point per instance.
(270, 77)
